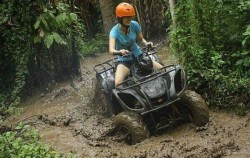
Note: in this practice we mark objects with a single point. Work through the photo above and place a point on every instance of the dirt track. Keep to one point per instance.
(69, 120)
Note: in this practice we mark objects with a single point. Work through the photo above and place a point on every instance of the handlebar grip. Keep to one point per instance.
(154, 46)
(117, 53)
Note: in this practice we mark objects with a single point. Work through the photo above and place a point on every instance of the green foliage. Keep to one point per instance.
(38, 41)
(15, 48)
(58, 19)
(247, 34)
(213, 39)
(24, 142)
(95, 45)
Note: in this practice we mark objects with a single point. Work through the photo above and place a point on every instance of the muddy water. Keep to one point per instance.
(70, 120)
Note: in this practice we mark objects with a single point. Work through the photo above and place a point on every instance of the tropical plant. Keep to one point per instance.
(23, 142)
(215, 48)
(39, 44)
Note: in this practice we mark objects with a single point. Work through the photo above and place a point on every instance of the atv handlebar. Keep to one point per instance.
(150, 49)
(153, 46)
(120, 53)
(117, 53)
(145, 50)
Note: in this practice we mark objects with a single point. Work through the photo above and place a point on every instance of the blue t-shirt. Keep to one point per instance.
(127, 42)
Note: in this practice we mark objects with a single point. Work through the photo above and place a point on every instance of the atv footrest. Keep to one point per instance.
(169, 124)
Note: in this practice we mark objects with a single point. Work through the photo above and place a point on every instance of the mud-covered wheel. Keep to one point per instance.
(101, 99)
(195, 103)
(131, 126)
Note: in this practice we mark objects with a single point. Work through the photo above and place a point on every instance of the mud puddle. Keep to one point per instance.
(69, 121)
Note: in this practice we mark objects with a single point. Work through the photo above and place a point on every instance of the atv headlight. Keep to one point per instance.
(179, 81)
(130, 101)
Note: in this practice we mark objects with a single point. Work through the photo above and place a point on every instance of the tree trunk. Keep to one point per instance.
(87, 14)
(75, 61)
(107, 10)
(150, 14)
(171, 7)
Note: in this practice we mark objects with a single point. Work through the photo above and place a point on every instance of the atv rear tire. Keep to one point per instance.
(198, 107)
(101, 99)
(132, 127)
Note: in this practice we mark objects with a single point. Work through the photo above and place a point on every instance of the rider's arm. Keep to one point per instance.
(140, 36)
(112, 49)
(142, 39)
(112, 45)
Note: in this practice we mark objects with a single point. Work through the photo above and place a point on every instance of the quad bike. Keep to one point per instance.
(149, 99)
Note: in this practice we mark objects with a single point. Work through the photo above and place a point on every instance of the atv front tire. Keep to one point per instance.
(132, 127)
(198, 107)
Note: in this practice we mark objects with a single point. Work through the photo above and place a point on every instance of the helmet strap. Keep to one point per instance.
(120, 22)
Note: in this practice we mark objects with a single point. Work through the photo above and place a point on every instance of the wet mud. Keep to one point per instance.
(71, 119)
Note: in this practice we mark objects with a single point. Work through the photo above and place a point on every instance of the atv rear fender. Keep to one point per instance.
(105, 75)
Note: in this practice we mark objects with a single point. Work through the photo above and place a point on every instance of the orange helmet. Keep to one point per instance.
(124, 9)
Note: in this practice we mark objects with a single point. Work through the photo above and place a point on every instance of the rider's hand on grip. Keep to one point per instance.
(121, 52)
(124, 52)
(149, 45)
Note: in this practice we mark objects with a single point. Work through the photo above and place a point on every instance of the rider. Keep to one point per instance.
(122, 38)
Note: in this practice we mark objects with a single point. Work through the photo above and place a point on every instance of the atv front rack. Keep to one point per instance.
(146, 78)
(104, 66)
(125, 85)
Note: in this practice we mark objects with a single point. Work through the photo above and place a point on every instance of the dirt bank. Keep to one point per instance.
(69, 120)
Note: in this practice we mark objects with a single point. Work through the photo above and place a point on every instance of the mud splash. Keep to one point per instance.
(70, 121)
